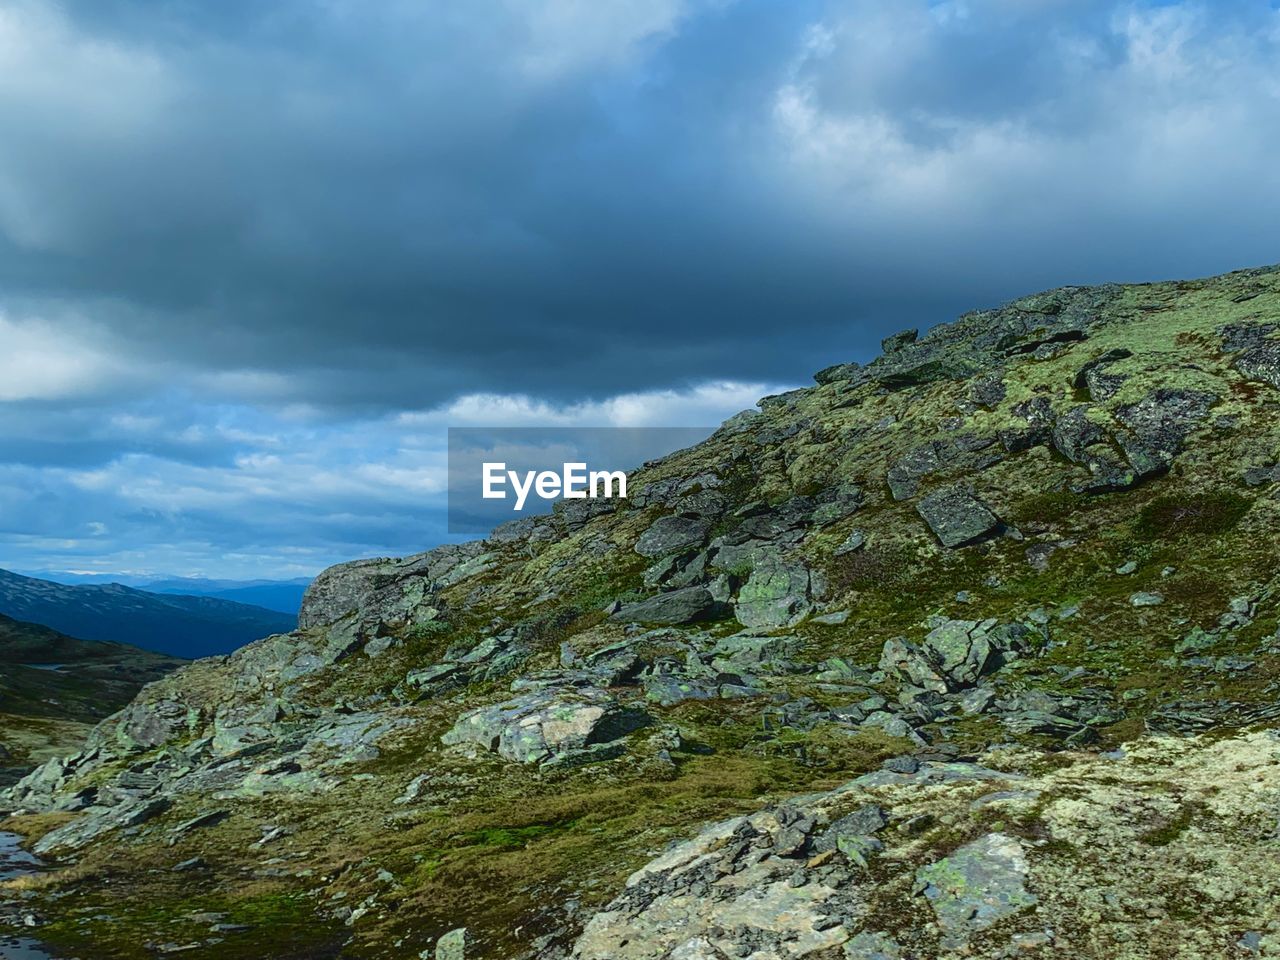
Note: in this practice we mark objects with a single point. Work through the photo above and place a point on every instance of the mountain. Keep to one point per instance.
(52, 686)
(283, 596)
(970, 651)
(182, 626)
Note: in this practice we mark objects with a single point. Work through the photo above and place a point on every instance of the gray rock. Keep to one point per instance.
(1146, 599)
(843, 501)
(777, 594)
(687, 605)
(384, 589)
(1162, 420)
(1037, 413)
(1094, 378)
(832, 619)
(957, 517)
(954, 655)
(452, 945)
(979, 885)
(852, 543)
(673, 534)
(987, 392)
(545, 725)
(872, 945)
(1074, 433)
(838, 372)
(899, 341)
(904, 476)
(1261, 363)
(1260, 476)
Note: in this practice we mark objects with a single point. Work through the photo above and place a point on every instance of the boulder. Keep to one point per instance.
(845, 500)
(957, 517)
(673, 534)
(839, 371)
(987, 392)
(546, 725)
(954, 655)
(687, 605)
(904, 475)
(1074, 433)
(777, 594)
(1162, 420)
(899, 341)
(385, 589)
(1094, 378)
(979, 885)
(1261, 363)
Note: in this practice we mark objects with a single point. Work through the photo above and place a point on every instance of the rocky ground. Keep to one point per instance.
(54, 688)
(973, 651)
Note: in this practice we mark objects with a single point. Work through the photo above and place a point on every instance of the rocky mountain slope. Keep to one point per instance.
(53, 688)
(181, 626)
(973, 651)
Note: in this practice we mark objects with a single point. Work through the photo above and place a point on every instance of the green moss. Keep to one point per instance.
(1167, 833)
(1179, 515)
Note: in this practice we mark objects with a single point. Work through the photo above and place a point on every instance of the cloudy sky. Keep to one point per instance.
(255, 257)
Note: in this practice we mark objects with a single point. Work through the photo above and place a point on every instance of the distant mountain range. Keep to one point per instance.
(180, 625)
(283, 596)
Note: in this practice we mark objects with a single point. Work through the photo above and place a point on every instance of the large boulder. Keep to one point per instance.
(673, 534)
(957, 517)
(1162, 420)
(904, 475)
(954, 655)
(546, 726)
(688, 605)
(1261, 363)
(386, 589)
(777, 594)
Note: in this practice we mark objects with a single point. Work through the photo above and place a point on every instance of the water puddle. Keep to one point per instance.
(16, 862)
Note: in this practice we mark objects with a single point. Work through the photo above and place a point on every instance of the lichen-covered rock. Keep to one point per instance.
(980, 884)
(1261, 363)
(672, 535)
(954, 655)
(777, 594)
(385, 589)
(686, 605)
(546, 725)
(957, 517)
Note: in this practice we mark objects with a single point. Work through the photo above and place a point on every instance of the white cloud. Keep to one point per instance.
(703, 405)
(1155, 105)
(40, 360)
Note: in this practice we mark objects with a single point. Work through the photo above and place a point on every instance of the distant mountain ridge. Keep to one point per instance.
(283, 596)
(178, 625)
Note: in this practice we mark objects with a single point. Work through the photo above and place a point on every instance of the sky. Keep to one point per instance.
(256, 257)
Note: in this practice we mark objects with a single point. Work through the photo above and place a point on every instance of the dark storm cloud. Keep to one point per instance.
(237, 240)
(397, 203)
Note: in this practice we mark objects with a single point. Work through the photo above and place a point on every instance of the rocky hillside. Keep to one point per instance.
(972, 651)
(53, 688)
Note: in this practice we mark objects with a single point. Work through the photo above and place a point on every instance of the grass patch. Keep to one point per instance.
(1201, 514)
